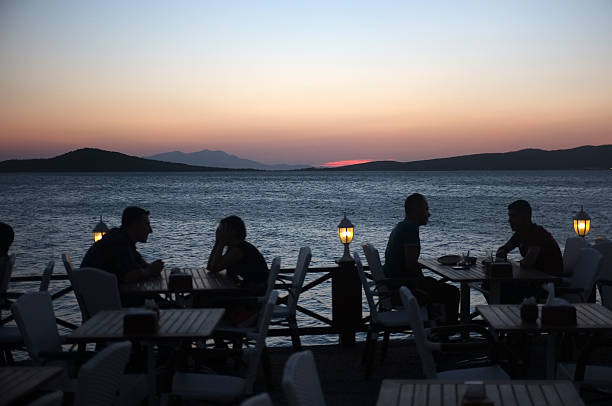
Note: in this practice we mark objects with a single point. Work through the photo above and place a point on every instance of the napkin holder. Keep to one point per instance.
(558, 313)
(140, 322)
(475, 395)
(180, 282)
(529, 310)
(499, 268)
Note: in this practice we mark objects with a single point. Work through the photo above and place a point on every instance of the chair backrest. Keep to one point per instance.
(36, 321)
(263, 399)
(367, 288)
(573, 245)
(605, 249)
(50, 399)
(272, 275)
(301, 268)
(253, 354)
(100, 377)
(586, 270)
(373, 258)
(422, 345)
(96, 290)
(46, 277)
(301, 384)
(67, 265)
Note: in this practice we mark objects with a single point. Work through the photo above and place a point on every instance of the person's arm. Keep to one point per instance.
(531, 257)
(503, 251)
(411, 260)
(147, 272)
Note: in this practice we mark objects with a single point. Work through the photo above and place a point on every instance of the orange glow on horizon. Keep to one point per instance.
(337, 164)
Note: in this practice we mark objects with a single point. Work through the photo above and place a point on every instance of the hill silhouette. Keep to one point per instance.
(97, 160)
(218, 159)
(585, 157)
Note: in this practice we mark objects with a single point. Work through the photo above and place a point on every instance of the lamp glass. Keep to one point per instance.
(99, 230)
(98, 235)
(345, 234)
(582, 226)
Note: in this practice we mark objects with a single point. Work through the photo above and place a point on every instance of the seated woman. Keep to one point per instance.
(243, 262)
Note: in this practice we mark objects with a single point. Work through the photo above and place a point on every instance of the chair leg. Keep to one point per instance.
(366, 348)
(385, 345)
(371, 354)
(267, 369)
(295, 336)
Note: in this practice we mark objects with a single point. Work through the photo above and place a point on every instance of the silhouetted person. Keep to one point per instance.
(243, 262)
(537, 246)
(116, 251)
(402, 257)
(7, 235)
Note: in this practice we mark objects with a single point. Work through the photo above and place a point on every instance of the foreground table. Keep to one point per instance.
(174, 324)
(477, 273)
(450, 393)
(18, 382)
(203, 281)
(590, 318)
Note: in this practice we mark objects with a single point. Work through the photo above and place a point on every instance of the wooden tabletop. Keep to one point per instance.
(203, 280)
(589, 317)
(450, 393)
(18, 382)
(173, 324)
(476, 272)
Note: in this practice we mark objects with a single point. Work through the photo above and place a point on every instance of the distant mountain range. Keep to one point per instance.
(218, 159)
(586, 157)
(96, 160)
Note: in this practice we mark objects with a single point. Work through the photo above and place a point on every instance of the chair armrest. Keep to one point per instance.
(567, 290)
(78, 356)
(395, 283)
(464, 328)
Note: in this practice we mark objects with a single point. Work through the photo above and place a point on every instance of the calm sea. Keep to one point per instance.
(55, 213)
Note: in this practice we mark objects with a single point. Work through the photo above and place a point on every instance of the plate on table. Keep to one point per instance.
(449, 259)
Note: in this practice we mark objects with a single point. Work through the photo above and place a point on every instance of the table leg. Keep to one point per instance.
(494, 291)
(464, 300)
(551, 355)
(151, 378)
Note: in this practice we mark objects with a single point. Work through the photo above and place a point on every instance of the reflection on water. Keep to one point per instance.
(55, 213)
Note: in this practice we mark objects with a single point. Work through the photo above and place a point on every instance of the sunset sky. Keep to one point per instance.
(304, 82)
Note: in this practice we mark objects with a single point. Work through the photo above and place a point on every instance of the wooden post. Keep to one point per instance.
(346, 301)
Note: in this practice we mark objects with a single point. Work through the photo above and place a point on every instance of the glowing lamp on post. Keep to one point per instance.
(345, 232)
(582, 223)
(99, 230)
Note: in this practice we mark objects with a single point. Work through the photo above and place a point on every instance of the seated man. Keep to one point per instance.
(402, 257)
(537, 246)
(116, 251)
(6, 239)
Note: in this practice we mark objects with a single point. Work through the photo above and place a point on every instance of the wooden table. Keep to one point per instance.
(590, 318)
(477, 273)
(450, 393)
(174, 324)
(203, 281)
(18, 382)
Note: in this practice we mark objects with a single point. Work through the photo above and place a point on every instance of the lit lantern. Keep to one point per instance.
(345, 232)
(582, 223)
(99, 230)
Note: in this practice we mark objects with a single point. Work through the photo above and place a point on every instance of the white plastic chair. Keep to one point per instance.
(36, 321)
(385, 321)
(301, 384)
(425, 348)
(100, 378)
(226, 389)
(272, 275)
(286, 314)
(67, 265)
(573, 245)
(95, 290)
(585, 273)
(263, 399)
(605, 276)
